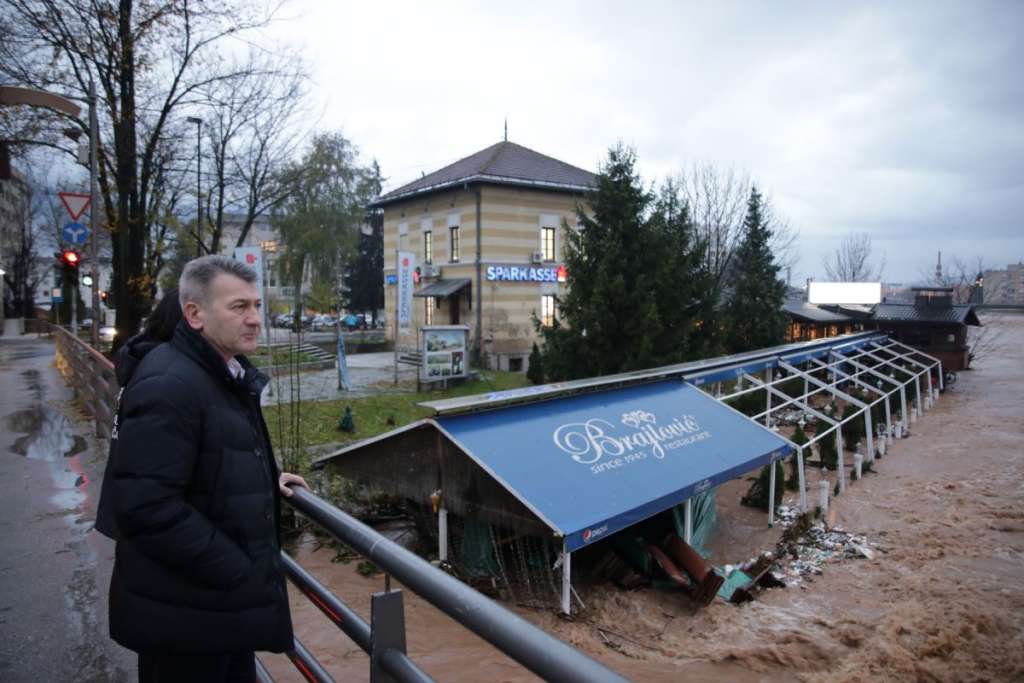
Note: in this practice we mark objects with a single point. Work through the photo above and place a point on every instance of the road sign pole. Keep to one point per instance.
(93, 250)
(73, 289)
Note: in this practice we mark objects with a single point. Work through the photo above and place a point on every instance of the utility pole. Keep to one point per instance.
(93, 207)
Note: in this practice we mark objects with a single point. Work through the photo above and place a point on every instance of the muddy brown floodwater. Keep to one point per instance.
(942, 600)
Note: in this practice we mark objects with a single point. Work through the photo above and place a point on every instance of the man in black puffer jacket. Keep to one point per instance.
(198, 584)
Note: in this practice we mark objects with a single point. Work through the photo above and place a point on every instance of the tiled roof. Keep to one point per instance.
(907, 312)
(812, 313)
(503, 163)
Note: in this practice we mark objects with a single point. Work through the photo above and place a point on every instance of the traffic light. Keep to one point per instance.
(103, 295)
(70, 258)
(87, 280)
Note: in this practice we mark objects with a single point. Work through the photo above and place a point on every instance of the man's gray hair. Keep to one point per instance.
(194, 284)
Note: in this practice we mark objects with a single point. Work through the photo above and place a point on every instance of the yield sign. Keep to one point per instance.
(75, 203)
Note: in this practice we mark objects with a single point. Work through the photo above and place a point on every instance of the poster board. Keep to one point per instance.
(444, 352)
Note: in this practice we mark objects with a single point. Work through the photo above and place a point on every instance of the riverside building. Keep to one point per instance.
(487, 232)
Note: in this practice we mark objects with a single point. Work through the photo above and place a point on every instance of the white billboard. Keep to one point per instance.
(844, 292)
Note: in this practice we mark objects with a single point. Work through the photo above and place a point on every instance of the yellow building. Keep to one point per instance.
(488, 233)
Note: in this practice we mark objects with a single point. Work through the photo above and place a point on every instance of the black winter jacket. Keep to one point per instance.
(194, 493)
(126, 362)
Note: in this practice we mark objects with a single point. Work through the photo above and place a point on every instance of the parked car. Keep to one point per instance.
(282, 320)
(107, 333)
(354, 322)
(323, 321)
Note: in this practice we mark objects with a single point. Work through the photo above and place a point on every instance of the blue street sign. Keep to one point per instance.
(75, 233)
(391, 279)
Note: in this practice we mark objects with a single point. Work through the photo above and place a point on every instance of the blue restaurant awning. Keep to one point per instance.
(591, 465)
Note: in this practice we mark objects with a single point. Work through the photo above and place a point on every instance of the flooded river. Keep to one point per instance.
(940, 601)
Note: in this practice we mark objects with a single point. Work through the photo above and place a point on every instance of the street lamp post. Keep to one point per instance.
(199, 202)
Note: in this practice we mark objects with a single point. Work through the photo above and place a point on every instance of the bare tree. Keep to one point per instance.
(252, 132)
(964, 281)
(151, 62)
(25, 268)
(957, 275)
(717, 199)
(851, 261)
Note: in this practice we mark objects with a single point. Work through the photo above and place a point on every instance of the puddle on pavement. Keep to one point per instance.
(34, 383)
(48, 434)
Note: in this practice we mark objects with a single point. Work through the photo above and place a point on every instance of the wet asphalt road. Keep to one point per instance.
(54, 569)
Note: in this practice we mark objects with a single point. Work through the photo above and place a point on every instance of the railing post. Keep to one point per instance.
(442, 535)
(387, 632)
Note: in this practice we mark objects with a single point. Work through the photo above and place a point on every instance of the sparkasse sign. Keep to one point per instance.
(512, 273)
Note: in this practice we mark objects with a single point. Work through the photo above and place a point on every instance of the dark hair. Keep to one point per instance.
(165, 317)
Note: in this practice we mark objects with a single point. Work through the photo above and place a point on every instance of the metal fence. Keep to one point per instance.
(90, 375)
(383, 637)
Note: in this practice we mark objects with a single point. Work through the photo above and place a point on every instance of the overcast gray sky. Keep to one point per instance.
(899, 119)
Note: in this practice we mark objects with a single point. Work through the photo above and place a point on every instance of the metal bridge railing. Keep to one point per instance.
(92, 378)
(383, 639)
(90, 375)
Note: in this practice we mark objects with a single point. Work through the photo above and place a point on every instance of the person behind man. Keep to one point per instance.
(198, 584)
(160, 325)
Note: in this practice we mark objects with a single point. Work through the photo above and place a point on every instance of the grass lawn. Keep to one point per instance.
(319, 420)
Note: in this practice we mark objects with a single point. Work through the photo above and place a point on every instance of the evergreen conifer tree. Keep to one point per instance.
(535, 371)
(636, 291)
(853, 431)
(753, 315)
(793, 480)
(757, 494)
(827, 451)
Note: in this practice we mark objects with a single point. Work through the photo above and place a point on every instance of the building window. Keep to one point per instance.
(453, 233)
(547, 243)
(428, 309)
(428, 247)
(271, 273)
(547, 310)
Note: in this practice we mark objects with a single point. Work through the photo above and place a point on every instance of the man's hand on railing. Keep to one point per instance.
(289, 478)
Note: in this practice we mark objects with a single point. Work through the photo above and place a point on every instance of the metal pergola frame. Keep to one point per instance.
(842, 363)
(836, 364)
(893, 362)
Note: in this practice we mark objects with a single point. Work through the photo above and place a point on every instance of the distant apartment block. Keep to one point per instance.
(1005, 286)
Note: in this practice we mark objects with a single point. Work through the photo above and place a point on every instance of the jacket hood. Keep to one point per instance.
(130, 355)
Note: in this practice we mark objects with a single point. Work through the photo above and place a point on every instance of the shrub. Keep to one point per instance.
(853, 431)
(793, 481)
(749, 404)
(757, 494)
(827, 451)
(535, 371)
